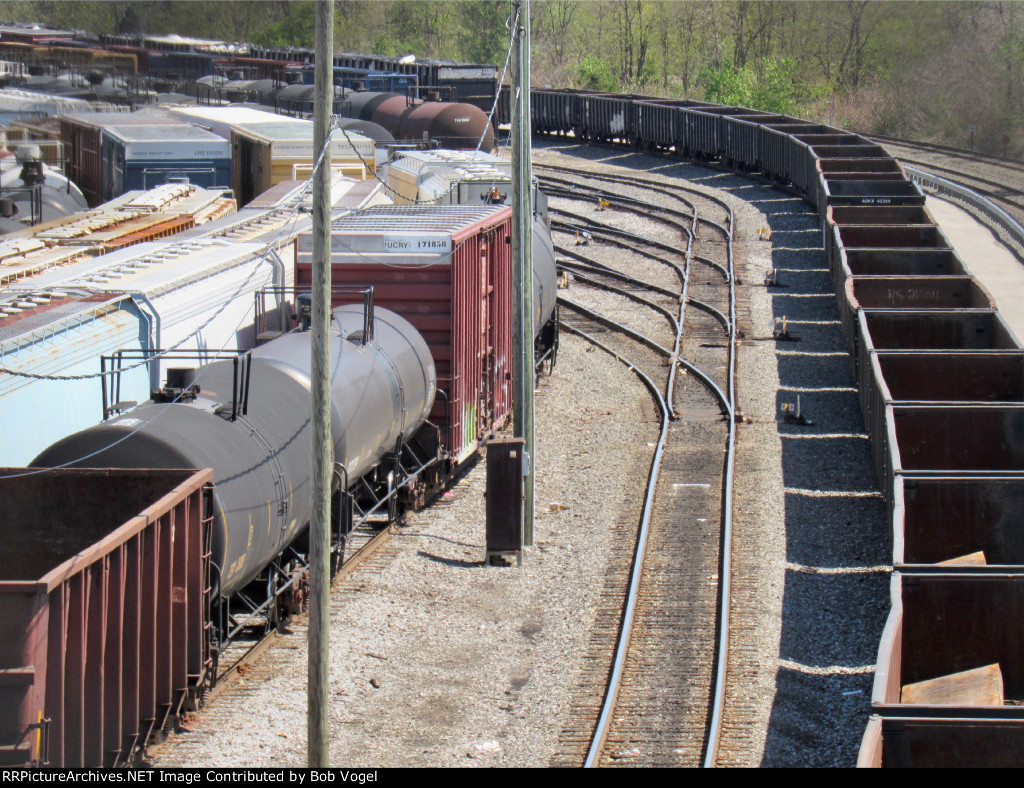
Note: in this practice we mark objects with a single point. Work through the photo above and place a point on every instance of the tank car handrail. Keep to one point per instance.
(366, 291)
(111, 384)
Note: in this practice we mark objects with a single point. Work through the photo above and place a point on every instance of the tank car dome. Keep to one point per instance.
(237, 89)
(55, 204)
(457, 126)
(59, 196)
(263, 89)
(293, 98)
(296, 92)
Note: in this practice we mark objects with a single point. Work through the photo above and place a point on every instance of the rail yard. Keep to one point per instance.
(778, 439)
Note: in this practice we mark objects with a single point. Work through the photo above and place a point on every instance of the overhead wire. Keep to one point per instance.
(263, 257)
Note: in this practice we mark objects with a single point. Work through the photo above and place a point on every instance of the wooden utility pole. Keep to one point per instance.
(522, 260)
(323, 449)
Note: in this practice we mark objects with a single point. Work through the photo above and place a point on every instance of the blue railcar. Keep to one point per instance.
(353, 78)
(145, 156)
(61, 333)
(184, 66)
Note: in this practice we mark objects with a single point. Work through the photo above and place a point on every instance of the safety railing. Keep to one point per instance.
(948, 188)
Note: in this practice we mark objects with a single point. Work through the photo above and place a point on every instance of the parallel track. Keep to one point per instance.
(662, 702)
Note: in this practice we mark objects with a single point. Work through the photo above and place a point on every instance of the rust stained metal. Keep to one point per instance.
(91, 639)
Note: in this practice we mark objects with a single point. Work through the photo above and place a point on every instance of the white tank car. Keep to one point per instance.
(25, 177)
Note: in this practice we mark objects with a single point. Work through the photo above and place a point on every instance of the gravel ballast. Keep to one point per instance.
(439, 660)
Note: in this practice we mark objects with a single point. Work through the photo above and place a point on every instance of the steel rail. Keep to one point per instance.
(684, 299)
(606, 228)
(594, 191)
(948, 150)
(593, 266)
(622, 646)
(691, 234)
(639, 207)
(1008, 188)
(658, 186)
(688, 255)
(727, 402)
(578, 192)
(616, 238)
(590, 266)
(603, 176)
(649, 184)
(593, 282)
(607, 322)
(965, 178)
(721, 664)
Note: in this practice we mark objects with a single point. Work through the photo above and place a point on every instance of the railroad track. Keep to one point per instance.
(654, 695)
(984, 158)
(258, 631)
(236, 690)
(662, 726)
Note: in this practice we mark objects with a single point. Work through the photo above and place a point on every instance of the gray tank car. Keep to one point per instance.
(381, 393)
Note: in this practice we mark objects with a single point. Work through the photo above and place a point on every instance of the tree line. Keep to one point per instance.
(927, 70)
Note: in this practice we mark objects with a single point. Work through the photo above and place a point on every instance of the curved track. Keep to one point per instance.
(654, 697)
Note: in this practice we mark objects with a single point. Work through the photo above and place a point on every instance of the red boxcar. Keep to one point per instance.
(104, 604)
(448, 271)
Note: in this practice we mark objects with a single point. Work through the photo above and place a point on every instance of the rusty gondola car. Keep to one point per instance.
(105, 601)
(941, 390)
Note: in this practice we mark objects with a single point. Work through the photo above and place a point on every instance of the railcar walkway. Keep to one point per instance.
(986, 258)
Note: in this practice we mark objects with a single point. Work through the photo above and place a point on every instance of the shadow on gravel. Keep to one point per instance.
(835, 599)
(812, 719)
(455, 562)
(437, 538)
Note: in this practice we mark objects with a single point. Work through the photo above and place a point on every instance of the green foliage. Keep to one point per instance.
(483, 37)
(296, 28)
(593, 73)
(776, 89)
(384, 44)
(727, 84)
(771, 86)
(648, 74)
